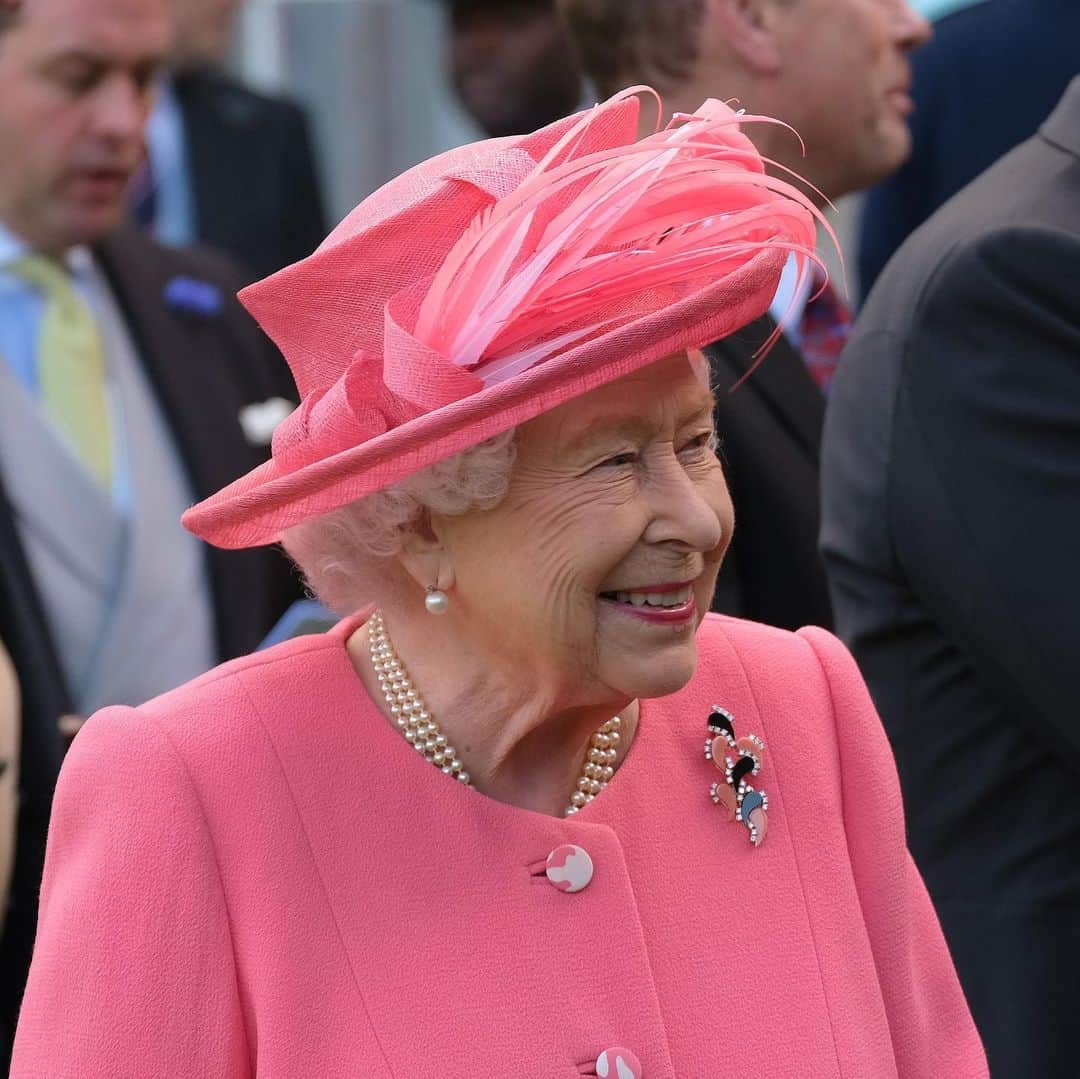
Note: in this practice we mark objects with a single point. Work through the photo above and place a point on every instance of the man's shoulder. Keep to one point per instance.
(233, 100)
(195, 287)
(174, 299)
(1025, 191)
(128, 249)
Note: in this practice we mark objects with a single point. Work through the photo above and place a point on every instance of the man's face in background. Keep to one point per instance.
(513, 65)
(76, 87)
(847, 76)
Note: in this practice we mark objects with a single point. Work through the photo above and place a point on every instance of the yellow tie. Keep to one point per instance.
(71, 364)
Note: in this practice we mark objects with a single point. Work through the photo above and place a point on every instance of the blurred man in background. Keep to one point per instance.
(227, 167)
(991, 75)
(512, 64)
(837, 71)
(951, 528)
(131, 384)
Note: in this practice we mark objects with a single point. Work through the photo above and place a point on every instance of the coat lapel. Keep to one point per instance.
(781, 379)
(1063, 126)
(178, 348)
(187, 356)
(207, 362)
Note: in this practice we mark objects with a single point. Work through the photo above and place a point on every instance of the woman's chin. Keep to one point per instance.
(658, 677)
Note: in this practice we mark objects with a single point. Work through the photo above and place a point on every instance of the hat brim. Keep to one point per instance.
(257, 508)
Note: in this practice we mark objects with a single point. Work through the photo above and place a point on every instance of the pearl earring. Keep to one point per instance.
(436, 601)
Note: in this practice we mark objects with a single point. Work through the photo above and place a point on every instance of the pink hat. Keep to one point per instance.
(497, 281)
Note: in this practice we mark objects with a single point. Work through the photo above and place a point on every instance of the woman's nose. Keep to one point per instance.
(687, 512)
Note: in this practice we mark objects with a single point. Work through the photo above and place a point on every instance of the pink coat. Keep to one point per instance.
(256, 876)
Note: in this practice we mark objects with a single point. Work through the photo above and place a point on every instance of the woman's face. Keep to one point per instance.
(592, 576)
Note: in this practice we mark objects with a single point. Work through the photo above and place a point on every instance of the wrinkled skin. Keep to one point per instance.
(620, 488)
(613, 492)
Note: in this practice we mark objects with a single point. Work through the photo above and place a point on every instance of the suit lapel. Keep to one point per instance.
(205, 368)
(781, 379)
(1063, 126)
(176, 349)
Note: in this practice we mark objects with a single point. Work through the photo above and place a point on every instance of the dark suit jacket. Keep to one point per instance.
(204, 370)
(770, 432)
(253, 172)
(988, 78)
(951, 531)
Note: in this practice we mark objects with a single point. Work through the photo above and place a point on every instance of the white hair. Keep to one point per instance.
(343, 553)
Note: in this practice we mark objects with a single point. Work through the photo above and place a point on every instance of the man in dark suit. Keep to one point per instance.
(227, 167)
(951, 530)
(837, 71)
(991, 75)
(131, 384)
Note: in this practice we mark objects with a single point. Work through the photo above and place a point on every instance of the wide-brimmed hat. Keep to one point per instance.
(498, 281)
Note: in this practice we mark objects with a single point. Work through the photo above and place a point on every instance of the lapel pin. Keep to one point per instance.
(191, 296)
(740, 761)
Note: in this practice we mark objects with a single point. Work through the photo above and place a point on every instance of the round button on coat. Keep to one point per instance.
(569, 868)
(618, 1063)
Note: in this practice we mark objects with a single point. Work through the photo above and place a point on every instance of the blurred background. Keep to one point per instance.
(368, 67)
(375, 69)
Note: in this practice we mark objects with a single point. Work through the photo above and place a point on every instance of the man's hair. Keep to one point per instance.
(623, 42)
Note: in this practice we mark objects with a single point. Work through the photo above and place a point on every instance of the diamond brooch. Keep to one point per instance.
(739, 760)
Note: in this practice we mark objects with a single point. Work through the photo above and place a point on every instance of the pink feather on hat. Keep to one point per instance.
(499, 280)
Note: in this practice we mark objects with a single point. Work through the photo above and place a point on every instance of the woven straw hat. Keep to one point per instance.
(497, 281)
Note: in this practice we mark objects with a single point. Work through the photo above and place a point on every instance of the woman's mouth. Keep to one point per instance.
(663, 604)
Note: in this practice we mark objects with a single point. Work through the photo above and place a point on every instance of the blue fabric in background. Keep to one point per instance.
(305, 616)
(938, 9)
(993, 71)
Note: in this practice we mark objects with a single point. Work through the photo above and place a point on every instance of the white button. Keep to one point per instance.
(618, 1063)
(569, 868)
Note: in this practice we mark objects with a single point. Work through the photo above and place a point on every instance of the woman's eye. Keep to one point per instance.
(620, 460)
(704, 441)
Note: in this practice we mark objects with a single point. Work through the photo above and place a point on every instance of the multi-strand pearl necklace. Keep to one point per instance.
(413, 719)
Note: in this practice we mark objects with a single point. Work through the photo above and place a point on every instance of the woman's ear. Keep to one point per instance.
(425, 558)
(746, 30)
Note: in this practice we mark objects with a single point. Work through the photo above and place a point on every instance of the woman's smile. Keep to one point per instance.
(659, 604)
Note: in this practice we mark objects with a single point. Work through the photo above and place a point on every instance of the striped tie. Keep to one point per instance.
(71, 364)
(826, 326)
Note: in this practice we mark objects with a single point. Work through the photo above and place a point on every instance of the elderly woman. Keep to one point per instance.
(527, 810)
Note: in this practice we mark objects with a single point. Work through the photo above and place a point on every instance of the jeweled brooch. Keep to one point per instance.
(740, 760)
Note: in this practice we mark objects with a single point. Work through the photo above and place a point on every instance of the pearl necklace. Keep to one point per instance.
(412, 718)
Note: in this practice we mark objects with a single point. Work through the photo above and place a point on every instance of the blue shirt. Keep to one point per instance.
(22, 305)
(789, 303)
(166, 141)
(938, 9)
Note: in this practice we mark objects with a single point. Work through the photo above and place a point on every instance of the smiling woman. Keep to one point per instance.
(509, 816)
